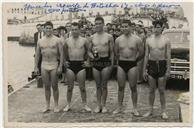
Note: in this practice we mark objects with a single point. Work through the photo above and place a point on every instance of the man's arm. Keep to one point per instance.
(61, 52)
(37, 57)
(140, 48)
(35, 40)
(168, 57)
(146, 57)
(111, 49)
(86, 47)
(86, 56)
(65, 52)
(90, 53)
(116, 50)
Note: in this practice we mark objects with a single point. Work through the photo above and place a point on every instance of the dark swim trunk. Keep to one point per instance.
(157, 69)
(76, 66)
(101, 63)
(126, 65)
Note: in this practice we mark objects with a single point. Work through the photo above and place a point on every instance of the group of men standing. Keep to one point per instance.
(75, 53)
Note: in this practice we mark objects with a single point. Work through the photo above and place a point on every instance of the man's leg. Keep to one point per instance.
(121, 78)
(54, 83)
(161, 89)
(105, 73)
(97, 78)
(152, 89)
(70, 80)
(47, 83)
(81, 77)
(132, 77)
(140, 71)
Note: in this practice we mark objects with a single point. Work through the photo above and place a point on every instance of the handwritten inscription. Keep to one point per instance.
(77, 7)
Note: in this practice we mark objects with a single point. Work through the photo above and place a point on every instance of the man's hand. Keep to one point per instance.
(167, 74)
(36, 71)
(145, 76)
(59, 70)
(91, 56)
(66, 64)
(86, 64)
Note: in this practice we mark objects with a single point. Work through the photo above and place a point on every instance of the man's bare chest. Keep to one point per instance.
(48, 44)
(75, 44)
(100, 41)
(127, 44)
(157, 44)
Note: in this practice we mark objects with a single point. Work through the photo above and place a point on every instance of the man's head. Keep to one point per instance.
(99, 24)
(158, 27)
(111, 31)
(142, 33)
(62, 30)
(108, 25)
(117, 32)
(48, 28)
(88, 32)
(126, 27)
(114, 26)
(68, 26)
(105, 28)
(38, 27)
(133, 25)
(56, 32)
(75, 29)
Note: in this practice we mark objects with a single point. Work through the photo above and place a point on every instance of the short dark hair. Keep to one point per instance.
(62, 28)
(140, 21)
(76, 24)
(157, 22)
(126, 21)
(99, 18)
(48, 23)
(117, 29)
(108, 24)
(38, 25)
(133, 24)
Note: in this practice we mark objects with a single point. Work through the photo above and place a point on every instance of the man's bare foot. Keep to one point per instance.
(86, 108)
(56, 110)
(97, 110)
(104, 110)
(118, 110)
(164, 115)
(67, 108)
(135, 112)
(46, 110)
(148, 114)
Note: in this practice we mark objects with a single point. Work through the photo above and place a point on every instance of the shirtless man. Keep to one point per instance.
(101, 53)
(157, 57)
(51, 49)
(128, 50)
(76, 48)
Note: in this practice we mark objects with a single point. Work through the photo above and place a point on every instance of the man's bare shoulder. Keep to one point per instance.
(119, 38)
(148, 40)
(108, 35)
(84, 39)
(136, 38)
(56, 39)
(67, 40)
(166, 39)
(94, 35)
(42, 40)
